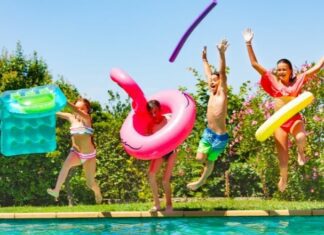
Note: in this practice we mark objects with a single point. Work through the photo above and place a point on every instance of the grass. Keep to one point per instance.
(194, 205)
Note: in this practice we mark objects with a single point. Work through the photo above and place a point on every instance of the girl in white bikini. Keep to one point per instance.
(83, 149)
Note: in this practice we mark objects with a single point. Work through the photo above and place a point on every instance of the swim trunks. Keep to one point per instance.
(167, 156)
(212, 144)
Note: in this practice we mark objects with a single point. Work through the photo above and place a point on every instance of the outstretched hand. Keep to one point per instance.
(248, 35)
(222, 46)
(204, 53)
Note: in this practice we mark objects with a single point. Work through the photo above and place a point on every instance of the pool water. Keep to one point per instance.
(209, 225)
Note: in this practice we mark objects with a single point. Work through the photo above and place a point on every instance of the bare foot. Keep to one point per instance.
(302, 160)
(194, 185)
(282, 185)
(155, 209)
(53, 193)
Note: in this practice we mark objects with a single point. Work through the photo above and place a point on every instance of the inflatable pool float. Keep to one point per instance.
(28, 119)
(133, 132)
(283, 115)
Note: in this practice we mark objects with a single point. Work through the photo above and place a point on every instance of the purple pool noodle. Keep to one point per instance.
(190, 29)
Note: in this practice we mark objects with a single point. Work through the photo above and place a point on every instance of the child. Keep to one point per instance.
(284, 87)
(83, 150)
(215, 137)
(158, 121)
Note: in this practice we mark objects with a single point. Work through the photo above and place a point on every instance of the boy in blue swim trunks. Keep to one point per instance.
(215, 137)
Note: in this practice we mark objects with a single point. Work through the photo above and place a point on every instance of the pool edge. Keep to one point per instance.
(146, 214)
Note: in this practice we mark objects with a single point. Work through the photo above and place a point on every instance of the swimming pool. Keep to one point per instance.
(209, 225)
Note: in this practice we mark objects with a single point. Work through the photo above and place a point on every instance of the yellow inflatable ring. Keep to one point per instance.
(283, 115)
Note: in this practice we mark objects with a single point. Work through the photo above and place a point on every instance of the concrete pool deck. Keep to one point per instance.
(146, 214)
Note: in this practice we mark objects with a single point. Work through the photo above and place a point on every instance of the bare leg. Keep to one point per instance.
(281, 140)
(89, 168)
(153, 169)
(166, 181)
(299, 134)
(71, 161)
(208, 168)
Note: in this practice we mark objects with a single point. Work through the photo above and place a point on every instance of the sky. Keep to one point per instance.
(82, 40)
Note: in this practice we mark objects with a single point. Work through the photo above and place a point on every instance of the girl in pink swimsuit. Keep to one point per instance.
(83, 149)
(284, 88)
(158, 121)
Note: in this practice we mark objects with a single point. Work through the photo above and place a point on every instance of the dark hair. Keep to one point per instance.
(287, 62)
(86, 103)
(215, 73)
(152, 104)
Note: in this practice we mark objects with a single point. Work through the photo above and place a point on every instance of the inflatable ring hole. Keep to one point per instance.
(141, 121)
(178, 108)
(165, 109)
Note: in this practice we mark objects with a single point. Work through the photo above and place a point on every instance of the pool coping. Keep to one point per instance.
(146, 214)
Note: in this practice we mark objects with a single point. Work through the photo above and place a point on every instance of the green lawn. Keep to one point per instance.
(197, 204)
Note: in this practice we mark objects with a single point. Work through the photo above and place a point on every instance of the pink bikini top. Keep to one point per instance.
(276, 89)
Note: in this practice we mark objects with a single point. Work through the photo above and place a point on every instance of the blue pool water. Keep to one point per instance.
(210, 225)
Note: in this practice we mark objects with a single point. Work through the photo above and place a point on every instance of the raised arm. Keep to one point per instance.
(63, 115)
(222, 46)
(207, 68)
(248, 36)
(313, 70)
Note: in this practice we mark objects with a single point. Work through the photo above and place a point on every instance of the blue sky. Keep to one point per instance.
(83, 39)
